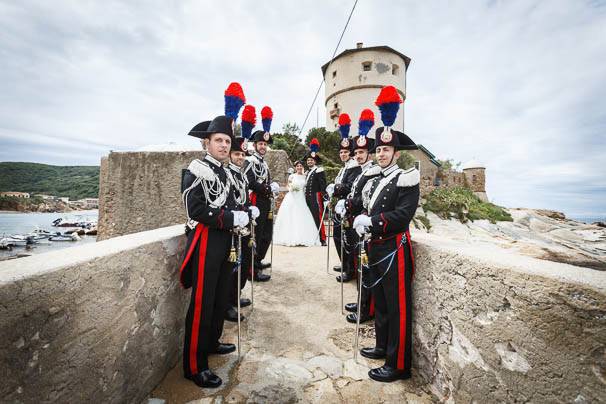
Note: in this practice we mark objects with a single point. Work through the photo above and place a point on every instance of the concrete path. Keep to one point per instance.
(297, 345)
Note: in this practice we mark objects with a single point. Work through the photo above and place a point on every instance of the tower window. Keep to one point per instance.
(366, 66)
(395, 70)
(334, 74)
(336, 105)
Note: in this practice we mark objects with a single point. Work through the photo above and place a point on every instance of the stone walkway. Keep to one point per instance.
(297, 347)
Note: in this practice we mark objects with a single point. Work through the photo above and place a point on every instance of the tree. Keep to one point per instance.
(406, 160)
(329, 145)
(289, 141)
(449, 164)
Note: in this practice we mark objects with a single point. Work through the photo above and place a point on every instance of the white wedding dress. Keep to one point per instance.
(295, 225)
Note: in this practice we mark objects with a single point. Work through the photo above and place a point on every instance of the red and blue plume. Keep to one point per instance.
(388, 102)
(344, 125)
(367, 121)
(249, 119)
(314, 145)
(234, 99)
(266, 117)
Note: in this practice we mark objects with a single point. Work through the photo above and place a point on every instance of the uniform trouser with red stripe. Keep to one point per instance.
(211, 277)
(336, 234)
(245, 270)
(367, 308)
(393, 302)
(315, 203)
(264, 229)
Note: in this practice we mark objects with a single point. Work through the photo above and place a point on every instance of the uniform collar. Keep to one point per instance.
(388, 170)
(213, 160)
(257, 155)
(366, 165)
(234, 167)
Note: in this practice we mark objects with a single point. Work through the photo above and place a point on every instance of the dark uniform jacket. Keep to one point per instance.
(257, 174)
(390, 198)
(206, 193)
(345, 178)
(315, 185)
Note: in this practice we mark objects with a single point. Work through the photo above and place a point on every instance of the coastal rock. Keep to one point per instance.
(536, 233)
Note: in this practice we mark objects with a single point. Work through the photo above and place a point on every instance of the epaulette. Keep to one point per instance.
(320, 170)
(374, 170)
(201, 170)
(351, 164)
(409, 178)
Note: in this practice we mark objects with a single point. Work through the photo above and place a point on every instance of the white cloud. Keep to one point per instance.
(518, 84)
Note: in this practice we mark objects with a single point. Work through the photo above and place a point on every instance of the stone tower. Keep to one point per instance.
(475, 176)
(354, 78)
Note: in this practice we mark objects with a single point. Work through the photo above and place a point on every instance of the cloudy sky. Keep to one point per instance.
(519, 85)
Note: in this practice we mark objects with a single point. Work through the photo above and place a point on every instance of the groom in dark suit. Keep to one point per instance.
(315, 188)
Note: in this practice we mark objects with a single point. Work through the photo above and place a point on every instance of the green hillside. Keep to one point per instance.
(75, 182)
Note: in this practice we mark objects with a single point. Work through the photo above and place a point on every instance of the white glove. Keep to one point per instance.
(254, 211)
(340, 207)
(240, 218)
(275, 187)
(361, 224)
(330, 189)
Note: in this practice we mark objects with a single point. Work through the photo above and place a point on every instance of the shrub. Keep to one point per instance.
(463, 204)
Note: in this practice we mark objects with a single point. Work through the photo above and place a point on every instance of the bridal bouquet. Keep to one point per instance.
(294, 188)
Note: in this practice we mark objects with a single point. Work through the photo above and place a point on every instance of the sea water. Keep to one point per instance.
(22, 223)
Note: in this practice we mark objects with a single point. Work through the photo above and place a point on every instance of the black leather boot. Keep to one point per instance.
(388, 374)
(205, 379)
(373, 353)
(351, 307)
(353, 317)
(232, 315)
(346, 277)
(222, 349)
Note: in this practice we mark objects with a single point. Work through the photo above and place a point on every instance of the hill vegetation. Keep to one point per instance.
(75, 182)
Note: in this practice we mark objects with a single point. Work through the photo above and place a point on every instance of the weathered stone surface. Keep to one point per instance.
(141, 191)
(492, 326)
(328, 364)
(100, 321)
(289, 354)
(322, 391)
(104, 321)
(535, 233)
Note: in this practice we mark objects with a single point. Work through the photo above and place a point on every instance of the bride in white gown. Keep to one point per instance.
(294, 223)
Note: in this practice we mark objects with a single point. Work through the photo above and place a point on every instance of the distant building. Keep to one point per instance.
(91, 203)
(475, 175)
(352, 82)
(354, 78)
(24, 195)
(44, 196)
(63, 199)
(85, 203)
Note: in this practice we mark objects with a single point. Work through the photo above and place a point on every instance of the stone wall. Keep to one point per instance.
(142, 190)
(103, 321)
(476, 179)
(491, 326)
(100, 321)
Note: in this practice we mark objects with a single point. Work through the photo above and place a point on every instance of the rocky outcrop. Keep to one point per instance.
(33, 205)
(536, 233)
(493, 326)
